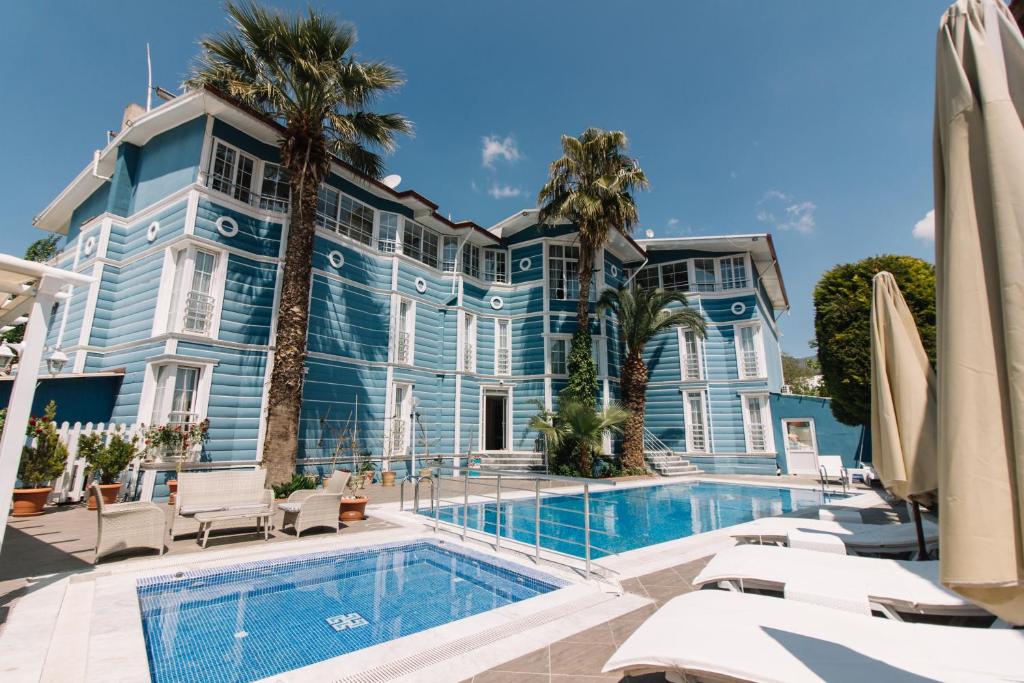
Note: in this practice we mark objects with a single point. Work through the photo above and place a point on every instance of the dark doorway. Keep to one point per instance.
(494, 421)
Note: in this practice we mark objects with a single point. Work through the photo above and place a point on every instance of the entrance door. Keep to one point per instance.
(495, 421)
(801, 446)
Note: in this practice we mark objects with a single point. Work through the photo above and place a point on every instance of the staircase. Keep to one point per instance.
(663, 459)
(514, 462)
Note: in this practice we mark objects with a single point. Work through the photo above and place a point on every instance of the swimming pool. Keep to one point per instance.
(254, 620)
(624, 519)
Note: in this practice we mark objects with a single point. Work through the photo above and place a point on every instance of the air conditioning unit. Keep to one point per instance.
(786, 389)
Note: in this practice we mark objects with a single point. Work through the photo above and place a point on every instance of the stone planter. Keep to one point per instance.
(30, 502)
(353, 509)
(387, 478)
(109, 493)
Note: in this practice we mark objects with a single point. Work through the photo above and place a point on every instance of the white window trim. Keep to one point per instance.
(463, 341)
(166, 320)
(684, 356)
(396, 329)
(497, 346)
(766, 421)
(548, 368)
(548, 258)
(505, 279)
(486, 389)
(389, 419)
(785, 431)
(255, 184)
(688, 419)
(762, 370)
(171, 362)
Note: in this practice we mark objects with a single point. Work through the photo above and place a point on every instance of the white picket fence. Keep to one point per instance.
(70, 486)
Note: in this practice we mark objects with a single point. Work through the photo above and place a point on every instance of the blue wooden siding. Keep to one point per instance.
(259, 237)
(128, 240)
(167, 163)
(248, 301)
(332, 393)
(90, 208)
(126, 301)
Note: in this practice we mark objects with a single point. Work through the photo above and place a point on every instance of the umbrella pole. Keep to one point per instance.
(922, 547)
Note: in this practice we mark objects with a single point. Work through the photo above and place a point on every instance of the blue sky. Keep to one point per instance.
(811, 120)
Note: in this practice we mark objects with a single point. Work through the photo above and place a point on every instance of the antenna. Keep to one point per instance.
(149, 80)
(649, 233)
(392, 181)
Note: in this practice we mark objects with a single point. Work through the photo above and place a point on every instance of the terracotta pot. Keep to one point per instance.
(353, 509)
(30, 502)
(109, 493)
(387, 478)
(427, 472)
(367, 478)
(172, 484)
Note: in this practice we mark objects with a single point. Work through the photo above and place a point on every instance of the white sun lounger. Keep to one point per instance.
(724, 636)
(859, 584)
(816, 534)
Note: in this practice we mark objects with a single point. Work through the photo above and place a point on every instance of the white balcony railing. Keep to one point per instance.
(692, 367)
(697, 439)
(402, 351)
(469, 358)
(502, 363)
(181, 417)
(758, 442)
(198, 312)
(245, 194)
(398, 437)
(751, 367)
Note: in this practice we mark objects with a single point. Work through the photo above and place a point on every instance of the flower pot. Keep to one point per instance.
(367, 478)
(30, 502)
(353, 509)
(387, 478)
(427, 472)
(109, 493)
(172, 484)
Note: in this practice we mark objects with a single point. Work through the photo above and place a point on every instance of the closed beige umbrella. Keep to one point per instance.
(903, 401)
(979, 226)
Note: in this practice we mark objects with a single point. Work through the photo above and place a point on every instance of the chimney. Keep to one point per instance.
(131, 112)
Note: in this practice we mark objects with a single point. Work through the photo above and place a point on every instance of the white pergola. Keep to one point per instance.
(27, 289)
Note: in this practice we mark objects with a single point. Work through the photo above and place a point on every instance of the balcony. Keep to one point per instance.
(758, 441)
(750, 364)
(402, 351)
(181, 417)
(198, 312)
(246, 195)
(502, 363)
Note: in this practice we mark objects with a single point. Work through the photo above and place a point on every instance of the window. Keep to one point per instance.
(387, 238)
(469, 342)
(175, 399)
(734, 272)
(563, 272)
(405, 326)
(495, 265)
(232, 172)
(756, 421)
(471, 260)
(748, 350)
(327, 208)
(696, 432)
(400, 419)
(274, 191)
(199, 304)
(355, 220)
(676, 276)
(692, 366)
(420, 243)
(503, 346)
(449, 253)
(559, 356)
(647, 278)
(704, 274)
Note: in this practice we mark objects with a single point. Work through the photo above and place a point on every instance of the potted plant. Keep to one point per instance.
(106, 463)
(299, 482)
(368, 469)
(387, 478)
(40, 464)
(174, 443)
(353, 505)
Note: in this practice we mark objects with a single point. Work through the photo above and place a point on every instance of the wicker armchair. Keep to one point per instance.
(127, 525)
(315, 509)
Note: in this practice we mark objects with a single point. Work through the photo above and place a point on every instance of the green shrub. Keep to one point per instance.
(107, 462)
(298, 482)
(45, 461)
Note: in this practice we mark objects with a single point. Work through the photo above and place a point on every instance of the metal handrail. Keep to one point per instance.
(654, 444)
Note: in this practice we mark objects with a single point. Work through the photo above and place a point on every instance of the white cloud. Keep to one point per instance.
(924, 229)
(784, 212)
(503, 191)
(495, 148)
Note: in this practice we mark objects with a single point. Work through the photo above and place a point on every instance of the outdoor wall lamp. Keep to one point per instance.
(56, 360)
(6, 358)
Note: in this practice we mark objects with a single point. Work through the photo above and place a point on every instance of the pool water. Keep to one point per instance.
(624, 519)
(251, 621)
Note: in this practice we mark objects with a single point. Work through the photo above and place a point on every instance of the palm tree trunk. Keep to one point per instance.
(281, 441)
(586, 274)
(634, 399)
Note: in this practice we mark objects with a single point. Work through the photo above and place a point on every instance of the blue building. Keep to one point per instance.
(182, 218)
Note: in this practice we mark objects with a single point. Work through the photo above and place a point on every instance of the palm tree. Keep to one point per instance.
(300, 72)
(641, 315)
(590, 186)
(577, 426)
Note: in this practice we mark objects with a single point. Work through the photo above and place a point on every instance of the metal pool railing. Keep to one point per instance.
(505, 486)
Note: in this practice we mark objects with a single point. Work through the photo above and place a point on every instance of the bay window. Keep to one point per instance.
(449, 253)
(387, 236)
(734, 272)
(704, 274)
(231, 172)
(647, 278)
(676, 276)
(420, 243)
(275, 188)
(495, 265)
(471, 260)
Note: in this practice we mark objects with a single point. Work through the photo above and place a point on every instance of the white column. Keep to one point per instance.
(22, 393)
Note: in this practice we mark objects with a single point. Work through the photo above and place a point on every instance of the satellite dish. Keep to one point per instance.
(649, 233)
(392, 181)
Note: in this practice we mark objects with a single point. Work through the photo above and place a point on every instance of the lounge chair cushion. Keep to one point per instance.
(190, 510)
(823, 543)
(289, 507)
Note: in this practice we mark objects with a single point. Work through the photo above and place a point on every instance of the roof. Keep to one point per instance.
(759, 245)
(208, 101)
(529, 217)
(18, 281)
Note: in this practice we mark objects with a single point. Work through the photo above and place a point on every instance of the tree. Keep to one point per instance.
(802, 375)
(42, 250)
(642, 314)
(301, 72)
(577, 428)
(842, 326)
(590, 186)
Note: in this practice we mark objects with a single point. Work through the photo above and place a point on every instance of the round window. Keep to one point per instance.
(421, 285)
(336, 259)
(497, 303)
(153, 230)
(227, 226)
(738, 308)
